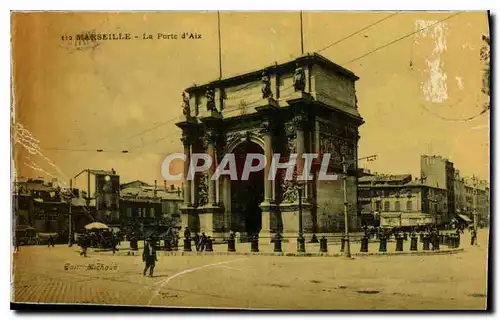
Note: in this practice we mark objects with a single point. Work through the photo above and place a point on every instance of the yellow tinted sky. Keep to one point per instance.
(96, 98)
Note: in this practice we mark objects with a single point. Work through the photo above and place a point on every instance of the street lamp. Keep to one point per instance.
(347, 246)
(345, 165)
(301, 247)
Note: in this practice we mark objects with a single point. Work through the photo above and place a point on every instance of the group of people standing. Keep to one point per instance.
(86, 240)
(200, 241)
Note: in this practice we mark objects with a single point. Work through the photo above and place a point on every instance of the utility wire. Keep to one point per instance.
(324, 48)
(320, 50)
(357, 32)
(400, 38)
(329, 46)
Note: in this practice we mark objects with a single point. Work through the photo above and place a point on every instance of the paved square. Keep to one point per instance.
(61, 275)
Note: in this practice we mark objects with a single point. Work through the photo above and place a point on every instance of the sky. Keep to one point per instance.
(71, 99)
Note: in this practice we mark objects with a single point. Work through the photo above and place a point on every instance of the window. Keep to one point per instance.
(387, 206)
(409, 206)
(397, 206)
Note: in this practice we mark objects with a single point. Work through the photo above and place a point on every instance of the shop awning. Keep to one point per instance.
(464, 217)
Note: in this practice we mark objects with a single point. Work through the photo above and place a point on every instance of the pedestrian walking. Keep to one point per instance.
(50, 241)
(203, 241)
(197, 241)
(84, 242)
(187, 233)
(16, 244)
(149, 257)
(473, 237)
(113, 243)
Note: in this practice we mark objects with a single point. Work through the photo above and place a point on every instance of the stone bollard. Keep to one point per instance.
(426, 243)
(231, 245)
(414, 244)
(323, 245)
(277, 244)
(209, 247)
(254, 244)
(383, 245)
(187, 244)
(133, 244)
(399, 243)
(364, 244)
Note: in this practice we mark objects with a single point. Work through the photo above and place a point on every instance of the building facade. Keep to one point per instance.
(143, 205)
(46, 207)
(477, 200)
(398, 201)
(438, 172)
(307, 105)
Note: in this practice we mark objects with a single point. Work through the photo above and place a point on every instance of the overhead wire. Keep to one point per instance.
(192, 109)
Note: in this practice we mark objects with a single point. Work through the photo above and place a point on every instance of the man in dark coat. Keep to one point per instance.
(114, 241)
(187, 233)
(473, 237)
(50, 241)
(197, 241)
(149, 257)
(203, 241)
(84, 244)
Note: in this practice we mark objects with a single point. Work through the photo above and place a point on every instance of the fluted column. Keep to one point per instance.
(187, 182)
(212, 188)
(268, 152)
(300, 123)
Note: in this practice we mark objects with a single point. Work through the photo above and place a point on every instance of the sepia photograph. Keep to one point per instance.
(250, 160)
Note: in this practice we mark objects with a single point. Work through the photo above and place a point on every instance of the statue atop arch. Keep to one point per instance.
(299, 79)
(210, 95)
(185, 105)
(266, 86)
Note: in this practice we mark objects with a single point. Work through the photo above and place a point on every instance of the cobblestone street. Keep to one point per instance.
(456, 281)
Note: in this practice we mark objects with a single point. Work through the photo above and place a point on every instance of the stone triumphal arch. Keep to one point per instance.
(307, 105)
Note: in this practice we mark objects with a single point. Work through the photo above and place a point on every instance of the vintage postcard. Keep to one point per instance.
(308, 160)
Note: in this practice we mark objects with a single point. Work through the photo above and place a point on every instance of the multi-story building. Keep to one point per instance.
(438, 172)
(46, 207)
(142, 204)
(477, 200)
(400, 201)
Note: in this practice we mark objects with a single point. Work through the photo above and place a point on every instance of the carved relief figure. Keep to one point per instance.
(266, 86)
(185, 105)
(289, 193)
(210, 95)
(202, 192)
(299, 80)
